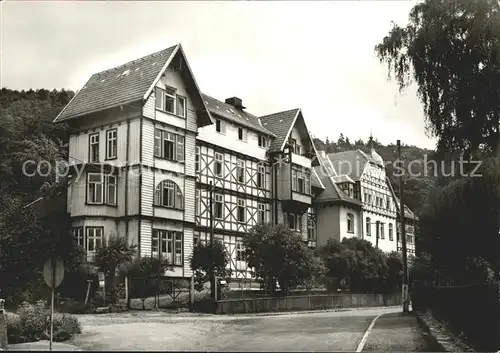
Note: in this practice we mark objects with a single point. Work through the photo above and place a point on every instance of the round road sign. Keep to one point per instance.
(53, 272)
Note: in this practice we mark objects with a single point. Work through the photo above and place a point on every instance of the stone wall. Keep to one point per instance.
(306, 302)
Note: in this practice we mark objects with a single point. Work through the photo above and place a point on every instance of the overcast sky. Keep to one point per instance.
(318, 56)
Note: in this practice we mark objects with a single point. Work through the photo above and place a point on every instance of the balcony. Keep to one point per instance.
(296, 203)
(301, 160)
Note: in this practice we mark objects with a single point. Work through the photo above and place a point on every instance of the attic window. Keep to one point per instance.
(281, 120)
(217, 107)
(154, 64)
(136, 69)
(125, 73)
(103, 80)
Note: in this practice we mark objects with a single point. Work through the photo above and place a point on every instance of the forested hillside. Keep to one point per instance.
(26, 239)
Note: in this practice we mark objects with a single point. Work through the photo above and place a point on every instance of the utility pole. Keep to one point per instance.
(406, 304)
(212, 276)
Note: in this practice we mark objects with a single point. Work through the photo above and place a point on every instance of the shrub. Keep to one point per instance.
(32, 323)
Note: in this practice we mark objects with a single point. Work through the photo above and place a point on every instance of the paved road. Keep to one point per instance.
(324, 331)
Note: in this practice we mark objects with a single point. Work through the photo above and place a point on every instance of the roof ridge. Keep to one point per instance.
(276, 113)
(135, 61)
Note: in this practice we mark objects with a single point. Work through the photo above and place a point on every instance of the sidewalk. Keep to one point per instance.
(397, 332)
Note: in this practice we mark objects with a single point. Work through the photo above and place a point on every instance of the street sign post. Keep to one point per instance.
(53, 274)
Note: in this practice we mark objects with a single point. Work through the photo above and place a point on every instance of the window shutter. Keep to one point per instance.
(159, 98)
(158, 194)
(178, 197)
(180, 148)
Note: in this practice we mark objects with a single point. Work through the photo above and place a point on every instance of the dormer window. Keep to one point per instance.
(242, 134)
(262, 141)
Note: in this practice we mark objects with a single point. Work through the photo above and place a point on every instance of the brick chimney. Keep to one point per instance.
(235, 102)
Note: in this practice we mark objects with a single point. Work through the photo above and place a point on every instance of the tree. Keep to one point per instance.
(394, 277)
(357, 261)
(277, 255)
(451, 49)
(114, 253)
(207, 258)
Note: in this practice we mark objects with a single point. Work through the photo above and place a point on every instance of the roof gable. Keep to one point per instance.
(127, 83)
(120, 85)
(203, 114)
(281, 125)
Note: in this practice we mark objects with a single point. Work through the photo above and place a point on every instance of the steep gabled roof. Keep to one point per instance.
(315, 180)
(120, 85)
(280, 124)
(241, 117)
(127, 83)
(351, 163)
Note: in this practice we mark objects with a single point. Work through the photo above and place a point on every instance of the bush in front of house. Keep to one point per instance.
(32, 323)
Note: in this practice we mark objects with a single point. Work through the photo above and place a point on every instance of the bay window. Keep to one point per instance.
(101, 189)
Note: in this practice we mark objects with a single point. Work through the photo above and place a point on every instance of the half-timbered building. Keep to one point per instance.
(147, 151)
(359, 201)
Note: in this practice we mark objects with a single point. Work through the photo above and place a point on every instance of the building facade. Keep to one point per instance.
(147, 149)
(359, 201)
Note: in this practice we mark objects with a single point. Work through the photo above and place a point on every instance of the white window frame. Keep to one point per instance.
(94, 240)
(262, 141)
(111, 190)
(97, 184)
(218, 199)
(177, 142)
(172, 96)
(197, 159)
(78, 236)
(197, 205)
(240, 171)
(261, 176)
(311, 230)
(391, 232)
(219, 160)
(168, 244)
(300, 189)
(294, 180)
(241, 209)
(261, 213)
(111, 143)
(220, 126)
(94, 146)
(350, 223)
(243, 134)
(179, 99)
(171, 192)
(240, 250)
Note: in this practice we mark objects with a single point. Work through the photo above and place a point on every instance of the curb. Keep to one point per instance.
(440, 339)
(282, 313)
